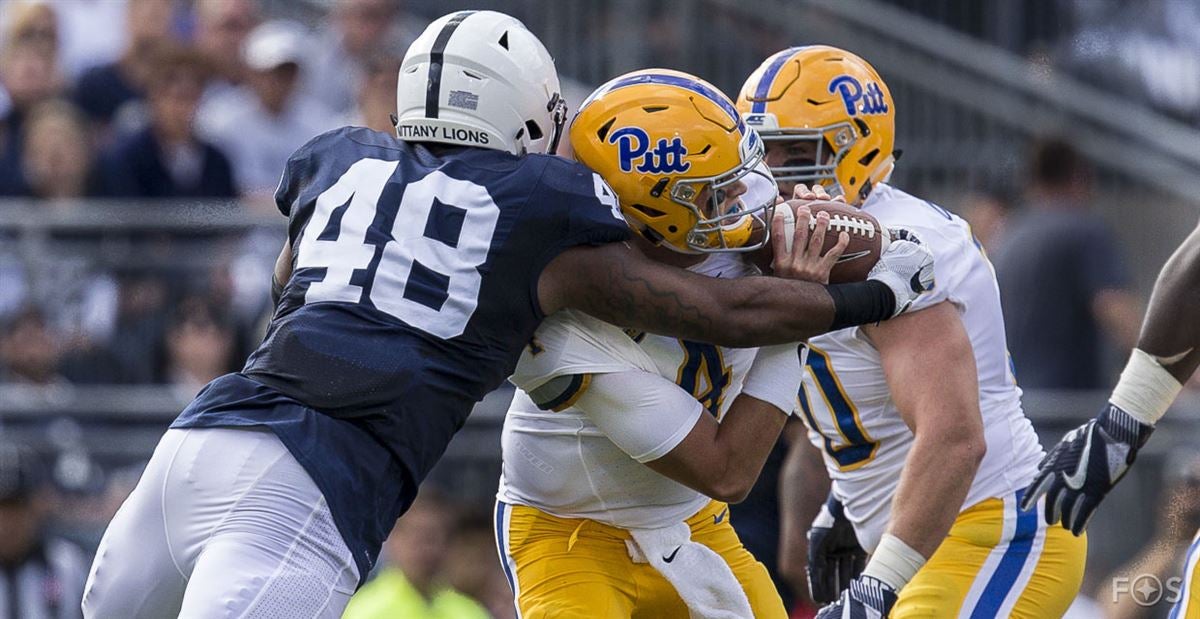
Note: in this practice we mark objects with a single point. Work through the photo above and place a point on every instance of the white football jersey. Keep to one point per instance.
(845, 399)
(563, 464)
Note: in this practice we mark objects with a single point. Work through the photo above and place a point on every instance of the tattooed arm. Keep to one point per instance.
(618, 284)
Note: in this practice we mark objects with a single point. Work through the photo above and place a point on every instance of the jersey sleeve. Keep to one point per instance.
(642, 413)
(300, 168)
(566, 348)
(581, 203)
(953, 251)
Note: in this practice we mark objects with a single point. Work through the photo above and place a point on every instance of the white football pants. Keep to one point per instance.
(224, 523)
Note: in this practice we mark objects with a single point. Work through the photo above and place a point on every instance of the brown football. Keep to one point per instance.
(868, 239)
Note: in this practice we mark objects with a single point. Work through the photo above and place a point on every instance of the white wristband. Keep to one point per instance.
(1145, 390)
(894, 562)
(775, 376)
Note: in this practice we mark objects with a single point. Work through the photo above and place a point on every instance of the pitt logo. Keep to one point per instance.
(856, 99)
(633, 144)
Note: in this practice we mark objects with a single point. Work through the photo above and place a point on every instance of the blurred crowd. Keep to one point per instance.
(153, 103)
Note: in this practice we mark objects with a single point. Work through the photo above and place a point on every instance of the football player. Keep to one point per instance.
(612, 446)
(416, 268)
(1085, 465)
(919, 418)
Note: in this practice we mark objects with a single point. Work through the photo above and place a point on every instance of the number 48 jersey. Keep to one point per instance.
(413, 292)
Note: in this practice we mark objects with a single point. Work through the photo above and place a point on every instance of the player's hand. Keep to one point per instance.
(867, 598)
(835, 557)
(906, 267)
(798, 239)
(1085, 465)
(814, 193)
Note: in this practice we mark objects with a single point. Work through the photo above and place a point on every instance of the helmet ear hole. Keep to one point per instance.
(504, 40)
(603, 131)
(869, 157)
(535, 132)
(648, 211)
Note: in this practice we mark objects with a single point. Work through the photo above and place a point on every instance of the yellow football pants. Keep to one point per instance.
(998, 561)
(563, 568)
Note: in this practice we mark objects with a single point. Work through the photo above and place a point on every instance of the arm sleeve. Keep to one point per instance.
(571, 344)
(583, 206)
(642, 413)
(775, 376)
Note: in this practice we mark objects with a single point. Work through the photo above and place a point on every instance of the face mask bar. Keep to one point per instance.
(558, 117)
(832, 143)
(711, 233)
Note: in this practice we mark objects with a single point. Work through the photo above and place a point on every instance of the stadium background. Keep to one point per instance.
(110, 293)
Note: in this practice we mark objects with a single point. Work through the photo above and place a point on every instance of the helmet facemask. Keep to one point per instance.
(830, 145)
(725, 223)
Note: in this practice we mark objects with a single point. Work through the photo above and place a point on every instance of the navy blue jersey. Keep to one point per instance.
(414, 286)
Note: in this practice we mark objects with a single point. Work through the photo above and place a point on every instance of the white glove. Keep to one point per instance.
(906, 267)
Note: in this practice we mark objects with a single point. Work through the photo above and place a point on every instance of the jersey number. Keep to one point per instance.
(853, 447)
(422, 267)
(704, 374)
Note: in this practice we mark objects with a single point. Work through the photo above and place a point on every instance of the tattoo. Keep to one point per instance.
(625, 296)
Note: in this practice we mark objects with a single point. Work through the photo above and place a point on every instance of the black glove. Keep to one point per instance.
(867, 598)
(834, 555)
(1085, 465)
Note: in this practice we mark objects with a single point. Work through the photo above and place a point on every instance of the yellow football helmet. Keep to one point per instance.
(672, 147)
(834, 99)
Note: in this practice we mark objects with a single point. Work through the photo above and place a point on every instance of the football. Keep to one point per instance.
(868, 239)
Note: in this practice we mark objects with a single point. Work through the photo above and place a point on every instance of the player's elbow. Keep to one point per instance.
(959, 446)
(731, 487)
(966, 447)
(730, 492)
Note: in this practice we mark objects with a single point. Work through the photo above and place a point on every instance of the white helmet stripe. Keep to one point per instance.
(434, 91)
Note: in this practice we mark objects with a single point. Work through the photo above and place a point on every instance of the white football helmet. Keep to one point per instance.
(480, 78)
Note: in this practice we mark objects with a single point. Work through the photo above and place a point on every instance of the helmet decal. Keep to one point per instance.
(689, 84)
(633, 144)
(852, 92)
(768, 77)
(434, 92)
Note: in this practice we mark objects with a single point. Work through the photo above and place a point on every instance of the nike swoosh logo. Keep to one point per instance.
(1075, 481)
(671, 557)
(853, 256)
(719, 518)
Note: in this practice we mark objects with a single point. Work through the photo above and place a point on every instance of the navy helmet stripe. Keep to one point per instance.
(768, 77)
(433, 89)
(675, 80)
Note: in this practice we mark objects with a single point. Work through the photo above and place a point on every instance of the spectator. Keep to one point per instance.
(260, 131)
(376, 102)
(166, 159)
(412, 585)
(199, 344)
(93, 33)
(29, 76)
(45, 575)
(57, 162)
(29, 352)
(105, 92)
(1062, 280)
(472, 569)
(356, 29)
(1163, 556)
(221, 30)
(987, 212)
